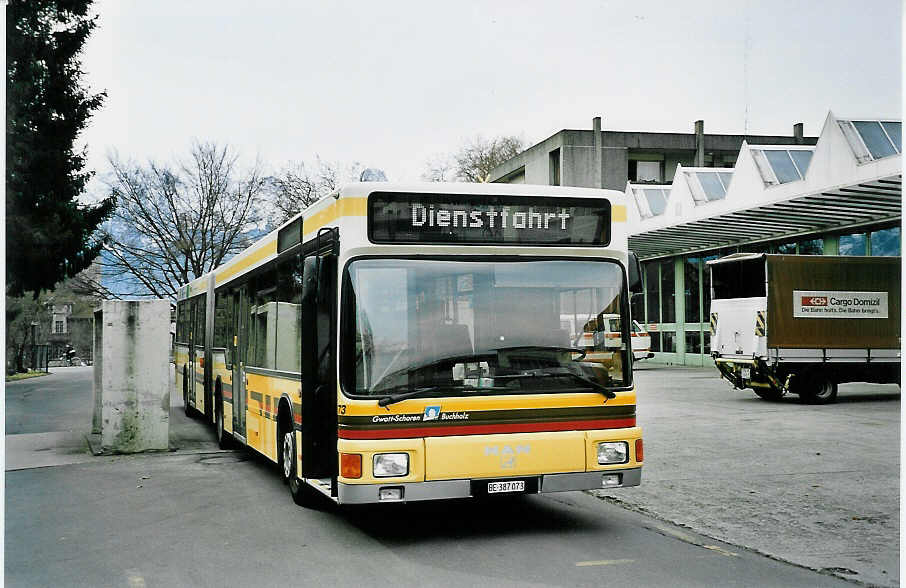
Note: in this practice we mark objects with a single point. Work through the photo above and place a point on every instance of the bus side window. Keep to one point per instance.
(181, 321)
(223, 324)
(263, 318)
(199, 305)
(289, 315)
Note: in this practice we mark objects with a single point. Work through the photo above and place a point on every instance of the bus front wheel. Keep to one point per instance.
(301, 495)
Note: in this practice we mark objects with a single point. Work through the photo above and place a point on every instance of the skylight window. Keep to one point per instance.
(707, 186)
(651, 202)
(781, 166)
(802, 159)
(872, 139)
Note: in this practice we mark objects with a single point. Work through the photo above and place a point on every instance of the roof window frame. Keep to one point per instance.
(851, 131)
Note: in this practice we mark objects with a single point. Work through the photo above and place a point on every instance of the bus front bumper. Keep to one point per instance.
(443, 489)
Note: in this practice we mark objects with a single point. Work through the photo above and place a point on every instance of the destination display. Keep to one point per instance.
(472, 220)
(835, 304)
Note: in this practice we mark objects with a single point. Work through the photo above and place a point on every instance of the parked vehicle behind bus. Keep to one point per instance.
(803, 324)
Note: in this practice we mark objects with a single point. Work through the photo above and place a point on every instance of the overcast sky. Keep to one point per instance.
(390, 84)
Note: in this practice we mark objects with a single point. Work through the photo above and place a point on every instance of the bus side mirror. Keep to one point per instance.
(635, 274)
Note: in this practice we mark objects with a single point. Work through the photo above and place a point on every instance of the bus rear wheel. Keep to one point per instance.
(185, 392)
(223, 438)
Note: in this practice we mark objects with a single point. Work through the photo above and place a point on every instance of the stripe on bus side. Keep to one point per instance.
(448, 431)
(480, 422)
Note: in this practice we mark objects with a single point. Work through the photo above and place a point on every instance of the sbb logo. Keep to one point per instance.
(814, 301)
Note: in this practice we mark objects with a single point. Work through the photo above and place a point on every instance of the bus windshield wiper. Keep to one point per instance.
(394, 398)
(581, 352)
(556, 373)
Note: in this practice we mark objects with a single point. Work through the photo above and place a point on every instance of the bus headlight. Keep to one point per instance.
(391, 465)
(613, 452)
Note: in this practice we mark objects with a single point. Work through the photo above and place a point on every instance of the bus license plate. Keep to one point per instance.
(746, 373)
(511, 486)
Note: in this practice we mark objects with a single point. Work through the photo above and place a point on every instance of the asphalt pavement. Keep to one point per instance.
(199, 516)
(813, 485)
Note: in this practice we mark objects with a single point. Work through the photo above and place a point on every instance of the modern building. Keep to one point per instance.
(568, 157)
(840, 194)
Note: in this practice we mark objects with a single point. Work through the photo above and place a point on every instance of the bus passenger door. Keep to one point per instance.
(191, 374)
(199, 306)
(240, 351)
(319, 387)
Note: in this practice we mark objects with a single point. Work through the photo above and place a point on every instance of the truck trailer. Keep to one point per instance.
(802, 324)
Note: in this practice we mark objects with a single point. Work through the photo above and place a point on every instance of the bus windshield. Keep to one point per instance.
(483, 327)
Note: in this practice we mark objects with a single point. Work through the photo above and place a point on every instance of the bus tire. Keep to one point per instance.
(302, 495)
(223, 438)
(821, 390)
(185, 392)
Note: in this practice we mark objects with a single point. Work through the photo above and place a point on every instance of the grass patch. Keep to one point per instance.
(25, 376)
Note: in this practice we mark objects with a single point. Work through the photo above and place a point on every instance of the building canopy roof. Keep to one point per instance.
(851, 177)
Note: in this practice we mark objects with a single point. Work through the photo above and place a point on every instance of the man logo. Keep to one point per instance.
(507, 453)
(814, 301)
(432, 413)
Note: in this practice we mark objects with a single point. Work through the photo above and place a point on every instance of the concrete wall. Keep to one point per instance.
(577, 166)
(132, 394)
(616, 168)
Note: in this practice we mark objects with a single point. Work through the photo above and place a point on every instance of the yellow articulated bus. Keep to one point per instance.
(403, 342)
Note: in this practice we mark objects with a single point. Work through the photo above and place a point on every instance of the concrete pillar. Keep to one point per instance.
(132, 376)
(798, 134)
(679, 285)
(699, 143)
(599, 149)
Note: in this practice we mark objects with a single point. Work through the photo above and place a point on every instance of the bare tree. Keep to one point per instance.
(296, 187)
(438, 169)
(333, 175)
(476, 159)
(175, 223)
(473, 161)
(293, 189)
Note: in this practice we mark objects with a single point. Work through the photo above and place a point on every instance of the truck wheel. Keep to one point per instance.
(820, 391)
(771, 393)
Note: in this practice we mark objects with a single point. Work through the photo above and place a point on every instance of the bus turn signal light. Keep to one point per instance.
(639, 450)
(351, 465)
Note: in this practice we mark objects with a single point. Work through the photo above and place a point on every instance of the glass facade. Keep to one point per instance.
(692, 272)
(677, 291)
(852, 244)
(652, 293)
(886, 242)
(811, 247)
(693, 342)
(668, 293)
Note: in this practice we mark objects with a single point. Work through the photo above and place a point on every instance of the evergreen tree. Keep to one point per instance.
(49, 234)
